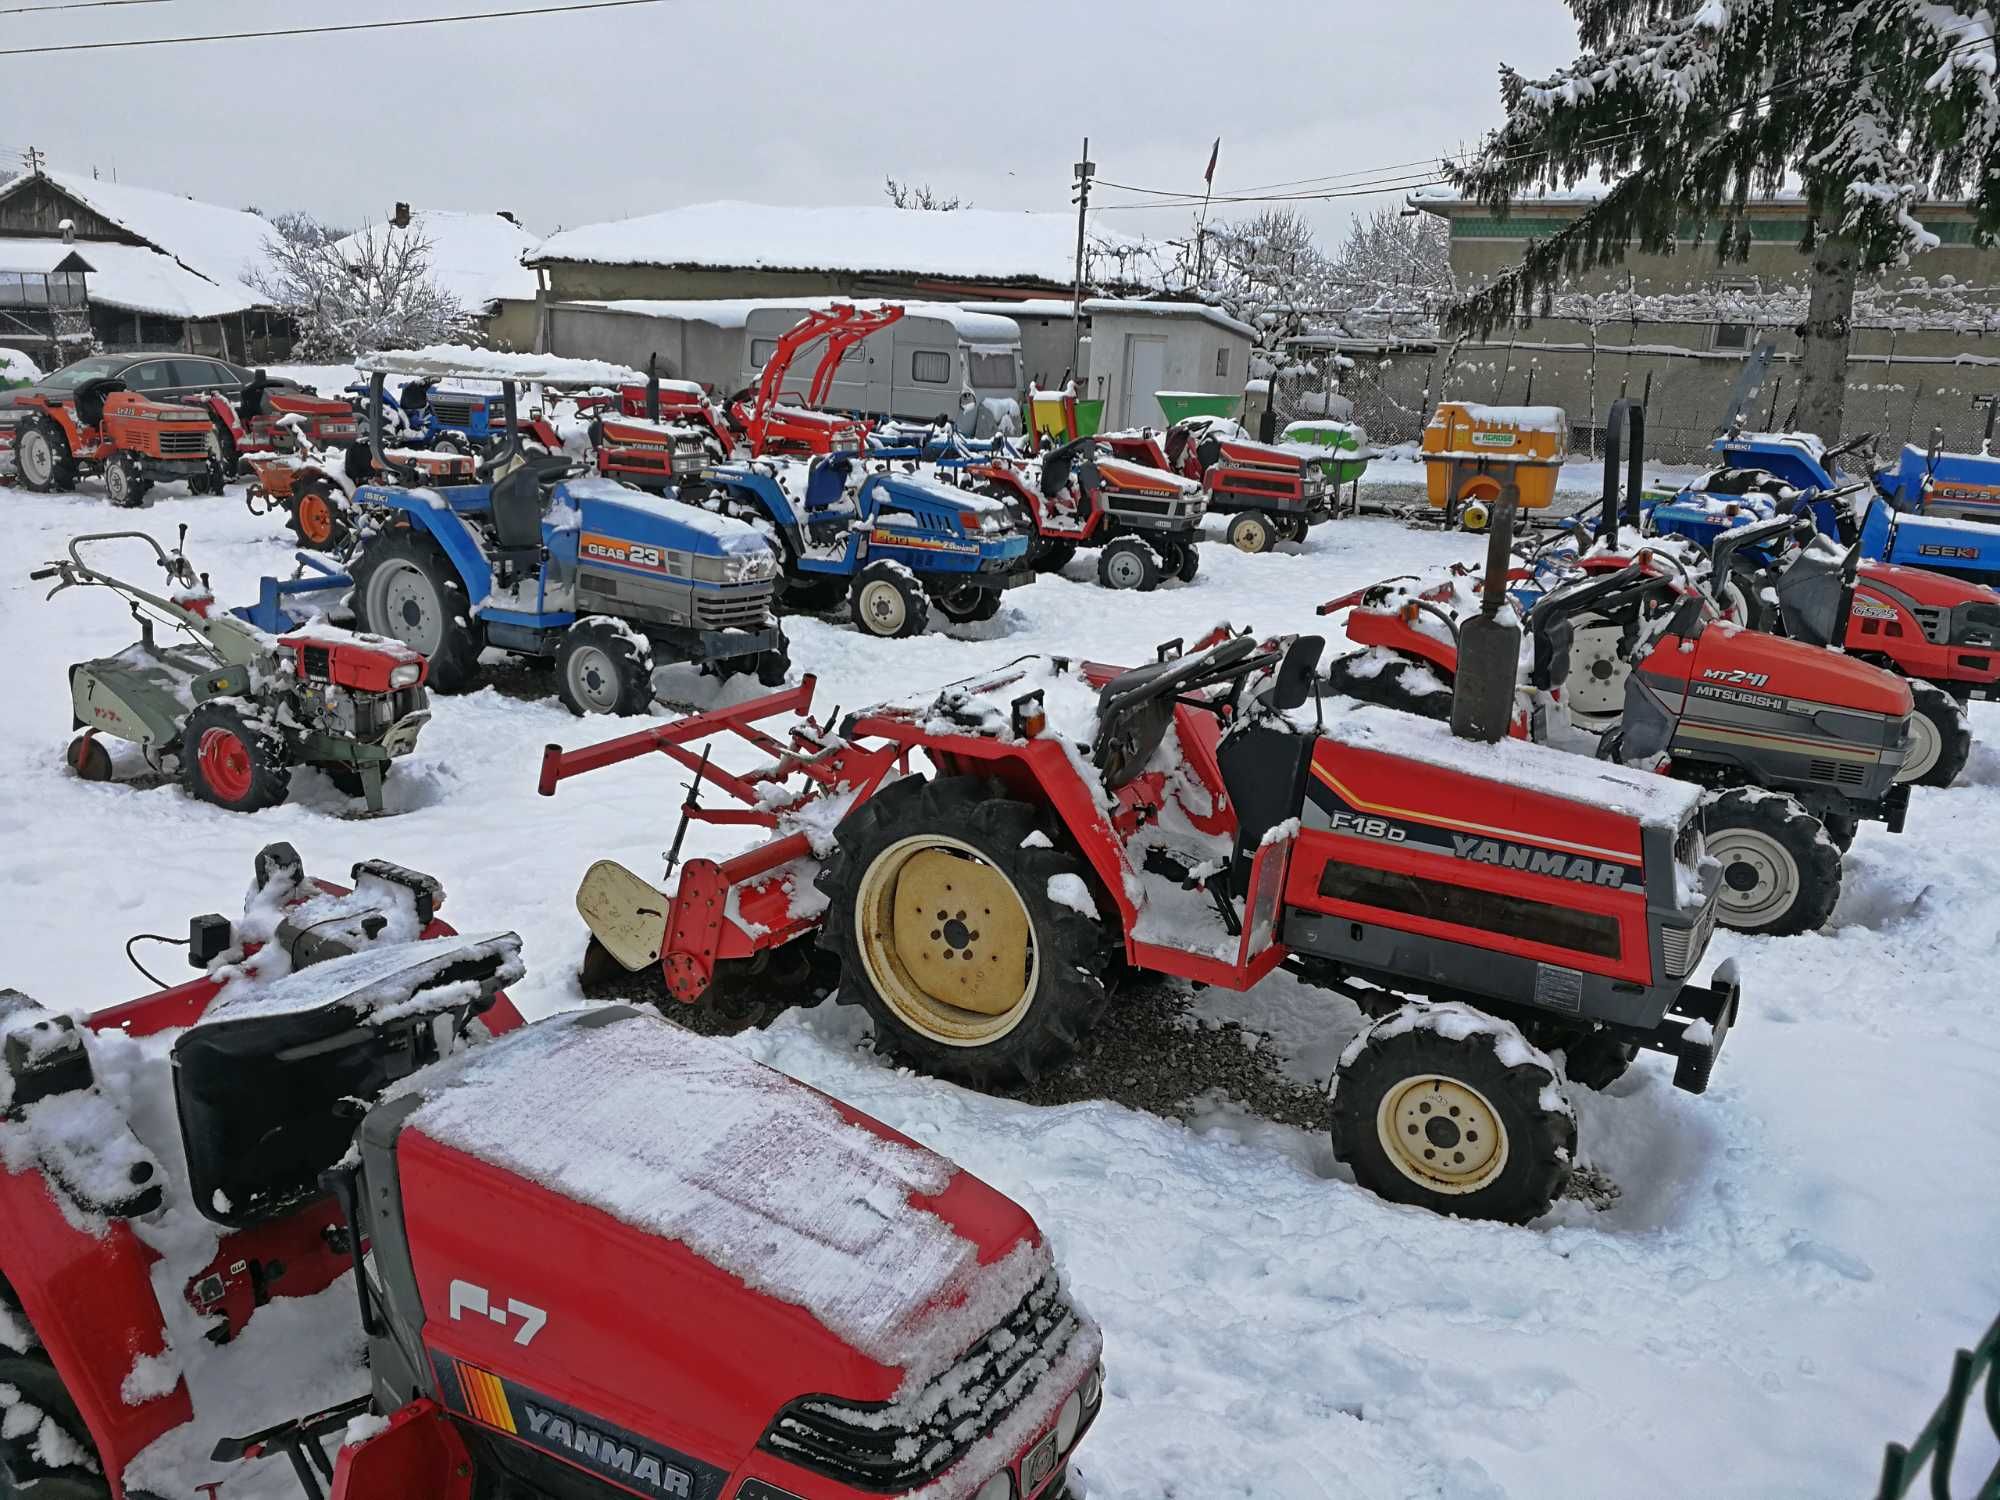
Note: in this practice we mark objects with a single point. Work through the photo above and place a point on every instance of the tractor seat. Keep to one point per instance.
(250, 405)
(518, 500)
(826, 480)
(269, 1089)
(1057, 464)
(91, 396)
(1135, 708)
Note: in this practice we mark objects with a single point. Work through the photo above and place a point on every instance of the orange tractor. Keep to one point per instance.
(104, 429)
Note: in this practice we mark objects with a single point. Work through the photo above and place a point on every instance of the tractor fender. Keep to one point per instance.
(425, 512)
(761, 491)
(89, 1298)
(418, 1456)
(1375, 627)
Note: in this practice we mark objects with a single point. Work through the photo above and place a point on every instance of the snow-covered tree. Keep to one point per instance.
(1268, 271)
(920, 195)
(1688, 109)
(370, 291)
(1394, 247)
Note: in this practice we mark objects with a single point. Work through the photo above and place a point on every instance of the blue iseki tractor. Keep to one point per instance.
(536, 560)
(891, 540)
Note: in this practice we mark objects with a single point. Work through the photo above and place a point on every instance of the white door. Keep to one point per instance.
(1145, 373)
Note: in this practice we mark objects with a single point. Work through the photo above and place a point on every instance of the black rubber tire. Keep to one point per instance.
(1395, 686)
(1784, 822)
(338, 525)
(20, 1472)
(775, 665)
(1073, 949)
(225, 449)
(1252, 531)
(1948, 721)
(1187, 561)
(1053, 557)
(968, 604)
(1131, 560)
(1541, 1142)
(916, 611)
(1841, 826)
(1293, 528)
(454, 666)
(61, 477)
(627, 690)
(270, 763)
(122, 487)
(813, 594)
(1598, 1060)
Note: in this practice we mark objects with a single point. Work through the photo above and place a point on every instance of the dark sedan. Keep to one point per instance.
(170, 377)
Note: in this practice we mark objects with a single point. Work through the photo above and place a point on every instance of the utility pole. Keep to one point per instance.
(1084, 170)
(34, 159)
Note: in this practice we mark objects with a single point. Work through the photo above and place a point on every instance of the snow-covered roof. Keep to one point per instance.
(223, 244)
(1028, 307)
(475, 257)
(132, 276)
(682, 1137)
(443, 361)
(1105, 306)
(734, 312)
(991, 244)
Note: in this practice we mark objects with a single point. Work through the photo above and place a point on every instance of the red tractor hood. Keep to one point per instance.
(1775, 665)
(1924, 586)
(1261, 455)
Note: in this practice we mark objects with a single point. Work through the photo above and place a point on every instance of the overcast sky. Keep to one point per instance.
(575, 118)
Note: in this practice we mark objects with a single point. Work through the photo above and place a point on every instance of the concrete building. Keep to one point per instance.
(135, 268)
(1680, 329)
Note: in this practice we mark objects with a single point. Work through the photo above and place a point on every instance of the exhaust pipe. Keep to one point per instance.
(1489, 649)
(1623, 411)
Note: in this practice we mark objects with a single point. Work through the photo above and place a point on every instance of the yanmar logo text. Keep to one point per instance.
(1535, 861)
(633, 1466)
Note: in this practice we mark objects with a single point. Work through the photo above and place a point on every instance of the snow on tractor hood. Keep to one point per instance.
(701, 531)
(894, 1250)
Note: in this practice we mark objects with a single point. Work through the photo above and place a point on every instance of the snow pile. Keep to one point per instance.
(683, 1137)
(1000, 334)
(16, 368)
(1519, 418)
(462, 361)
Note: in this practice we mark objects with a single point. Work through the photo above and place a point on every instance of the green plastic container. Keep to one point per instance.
(1177, 406)
(1089, 418)
(1342, 438)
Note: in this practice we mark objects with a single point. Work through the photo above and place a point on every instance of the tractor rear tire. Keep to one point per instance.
(812, 593)
(603, 667)
(1037, 977)
(888, 602)
(316, 517)
(1401, 685)
(969, 604)
(404, 588)
(1252, 531)
(232, 759)
(1053, 557)
(222, 448)
(1126, 562)
(1780, 867)
(1940, 737)
(27, 1468)
(1443, 1122)
(42, 457)
(1185, 562)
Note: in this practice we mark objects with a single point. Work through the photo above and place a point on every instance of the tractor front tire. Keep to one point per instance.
(604, 667)
(405, 588)
(888, 602)
(1426, 1116)
(945, 917)
(38, 1457)
(42, 457)
(968, 604)
(123, 484)
(1125, 562)
(1780, 868)
(316, 517)
(1940, 737)
(1053, 557)
(1253, 531)
(1185, 561)
(812, 593)
(232, 759)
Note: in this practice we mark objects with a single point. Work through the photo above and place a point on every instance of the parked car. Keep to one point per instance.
(164, 376)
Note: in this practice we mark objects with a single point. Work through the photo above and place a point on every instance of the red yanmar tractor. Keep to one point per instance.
(771, 425)
(1277, 491)
(332, 1208)
(663, 434)
(1794, 745)
(102, 428)
(1145, 523)
(270, 417)
(1479, 902)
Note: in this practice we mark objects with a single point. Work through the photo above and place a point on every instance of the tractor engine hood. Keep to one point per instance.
(697, 1239)
(608, 512)
(1939, 590)
(1791, 669)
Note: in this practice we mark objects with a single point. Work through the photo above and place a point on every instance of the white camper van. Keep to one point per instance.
(936, 360)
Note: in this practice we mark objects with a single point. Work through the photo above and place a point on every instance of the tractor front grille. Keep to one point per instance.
(177, 443)
(1837, 772)
(455, 413)
(1173, 510)
(873, 1446)
(1681, 948)
(736, 606)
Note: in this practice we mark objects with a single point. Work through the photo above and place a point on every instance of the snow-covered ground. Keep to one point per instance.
(1776, 1293)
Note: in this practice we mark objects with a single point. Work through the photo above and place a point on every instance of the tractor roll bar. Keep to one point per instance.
(1623, 411)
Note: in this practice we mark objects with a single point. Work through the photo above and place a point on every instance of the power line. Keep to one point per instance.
(238, 36)
(35, 10)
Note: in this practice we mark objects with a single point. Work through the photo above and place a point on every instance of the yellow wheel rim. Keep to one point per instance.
(1442, 1134)
(1251, 536)
(946, 941)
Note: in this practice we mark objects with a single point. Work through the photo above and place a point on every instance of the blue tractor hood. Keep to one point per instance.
(1794, 458)
(604, 508)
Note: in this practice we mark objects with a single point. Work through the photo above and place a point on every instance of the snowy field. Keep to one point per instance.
(1775, 1293)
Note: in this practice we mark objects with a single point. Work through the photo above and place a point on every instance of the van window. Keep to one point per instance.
(930, 366)
(992, 369)
(1222, 363)
(761, 351)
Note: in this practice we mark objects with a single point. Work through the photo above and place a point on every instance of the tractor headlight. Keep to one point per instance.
(406, 675)
(755, 568)
(1069, 1420)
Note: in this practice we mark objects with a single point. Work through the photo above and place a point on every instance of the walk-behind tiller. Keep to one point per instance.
(1194, 818)
(234, 707)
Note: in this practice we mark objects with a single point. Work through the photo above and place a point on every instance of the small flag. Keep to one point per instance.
(1216, 151)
